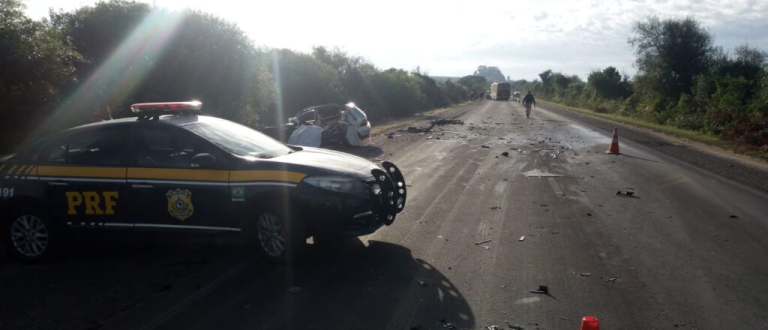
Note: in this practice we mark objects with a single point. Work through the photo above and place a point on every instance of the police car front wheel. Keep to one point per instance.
(278, 236)
(30, 235)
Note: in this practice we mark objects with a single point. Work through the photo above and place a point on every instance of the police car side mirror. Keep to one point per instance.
(203, 160)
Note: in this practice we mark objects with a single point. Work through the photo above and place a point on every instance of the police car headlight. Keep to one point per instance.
(337, 183)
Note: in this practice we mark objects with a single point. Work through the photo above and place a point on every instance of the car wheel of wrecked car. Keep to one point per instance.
(278, 235)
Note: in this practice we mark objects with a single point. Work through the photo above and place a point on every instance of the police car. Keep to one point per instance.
(174, 169)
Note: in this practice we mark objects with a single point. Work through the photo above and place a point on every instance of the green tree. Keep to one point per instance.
(36, 64)
(302, 81)
(492, 74)
(671, 53)
(609, 84)
(393, 93)
(477, 84)
(137, 53)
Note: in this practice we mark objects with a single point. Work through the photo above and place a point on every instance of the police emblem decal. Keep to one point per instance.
(180, 203)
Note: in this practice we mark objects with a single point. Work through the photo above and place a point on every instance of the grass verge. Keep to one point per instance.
(705, 138)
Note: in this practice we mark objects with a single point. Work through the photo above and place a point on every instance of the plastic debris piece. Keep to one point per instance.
(543, 289)
(522, 238)
(485, 146)
(483, 242)
(505, 154)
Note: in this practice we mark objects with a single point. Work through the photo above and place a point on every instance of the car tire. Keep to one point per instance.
(31, 236)
(277, 234)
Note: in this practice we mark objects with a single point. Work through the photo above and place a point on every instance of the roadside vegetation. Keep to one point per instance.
(90, 64)
(684, 84)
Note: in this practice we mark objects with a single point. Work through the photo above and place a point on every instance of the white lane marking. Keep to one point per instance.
(499, 188)
(555, 187)
(184, 304)
(528, 300)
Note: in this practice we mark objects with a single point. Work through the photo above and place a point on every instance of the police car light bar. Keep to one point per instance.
(194, 106)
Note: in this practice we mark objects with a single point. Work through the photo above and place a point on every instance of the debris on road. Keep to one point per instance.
(483, 242)
(627, 194)
(485, 146)
(443, 121)
(495, 207)
(422, 283)
(450, 326)
(514, 327)
(492, 327)
(412, 129)
(505, 154)
(585, 274)
(611, 279)
(543, 289)
(522, 238)
(294, 289)
(733, 216)
(391, 136)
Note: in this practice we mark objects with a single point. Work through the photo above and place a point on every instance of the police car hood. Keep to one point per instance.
(334, 162)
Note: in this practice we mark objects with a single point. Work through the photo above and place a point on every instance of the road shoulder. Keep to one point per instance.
(740, 168)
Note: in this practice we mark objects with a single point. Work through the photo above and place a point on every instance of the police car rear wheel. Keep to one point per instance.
(30, 235)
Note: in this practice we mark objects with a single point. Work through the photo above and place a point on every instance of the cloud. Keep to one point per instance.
(540, 17)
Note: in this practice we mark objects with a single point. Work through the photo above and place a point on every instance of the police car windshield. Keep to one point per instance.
(238, 139)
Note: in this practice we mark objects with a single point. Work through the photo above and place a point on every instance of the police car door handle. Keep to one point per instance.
(57, 183)
(142, 186)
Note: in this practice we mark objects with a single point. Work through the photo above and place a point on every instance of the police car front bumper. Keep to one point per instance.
(350, 215)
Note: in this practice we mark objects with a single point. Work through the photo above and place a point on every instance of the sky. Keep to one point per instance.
(452, 38)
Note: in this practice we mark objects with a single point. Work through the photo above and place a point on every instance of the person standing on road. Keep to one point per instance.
(527, 101)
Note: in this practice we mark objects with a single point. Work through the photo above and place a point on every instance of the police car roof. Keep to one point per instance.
(176, 120)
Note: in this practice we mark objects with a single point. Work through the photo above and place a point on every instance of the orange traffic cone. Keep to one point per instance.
(590, 323)
(614, 148)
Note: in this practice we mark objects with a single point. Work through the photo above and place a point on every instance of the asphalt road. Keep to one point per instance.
(480, 230)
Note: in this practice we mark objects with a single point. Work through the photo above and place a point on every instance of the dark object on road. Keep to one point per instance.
(391, 136)
(495, 207)
(422, 283)
(485, 147)
(543, 289)
(733, 216)
(190, 173)
(483, 242)
(412, 129)
(505, 154)
(294, 289)
(449, 325)
(626, 194)
(443, 121)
